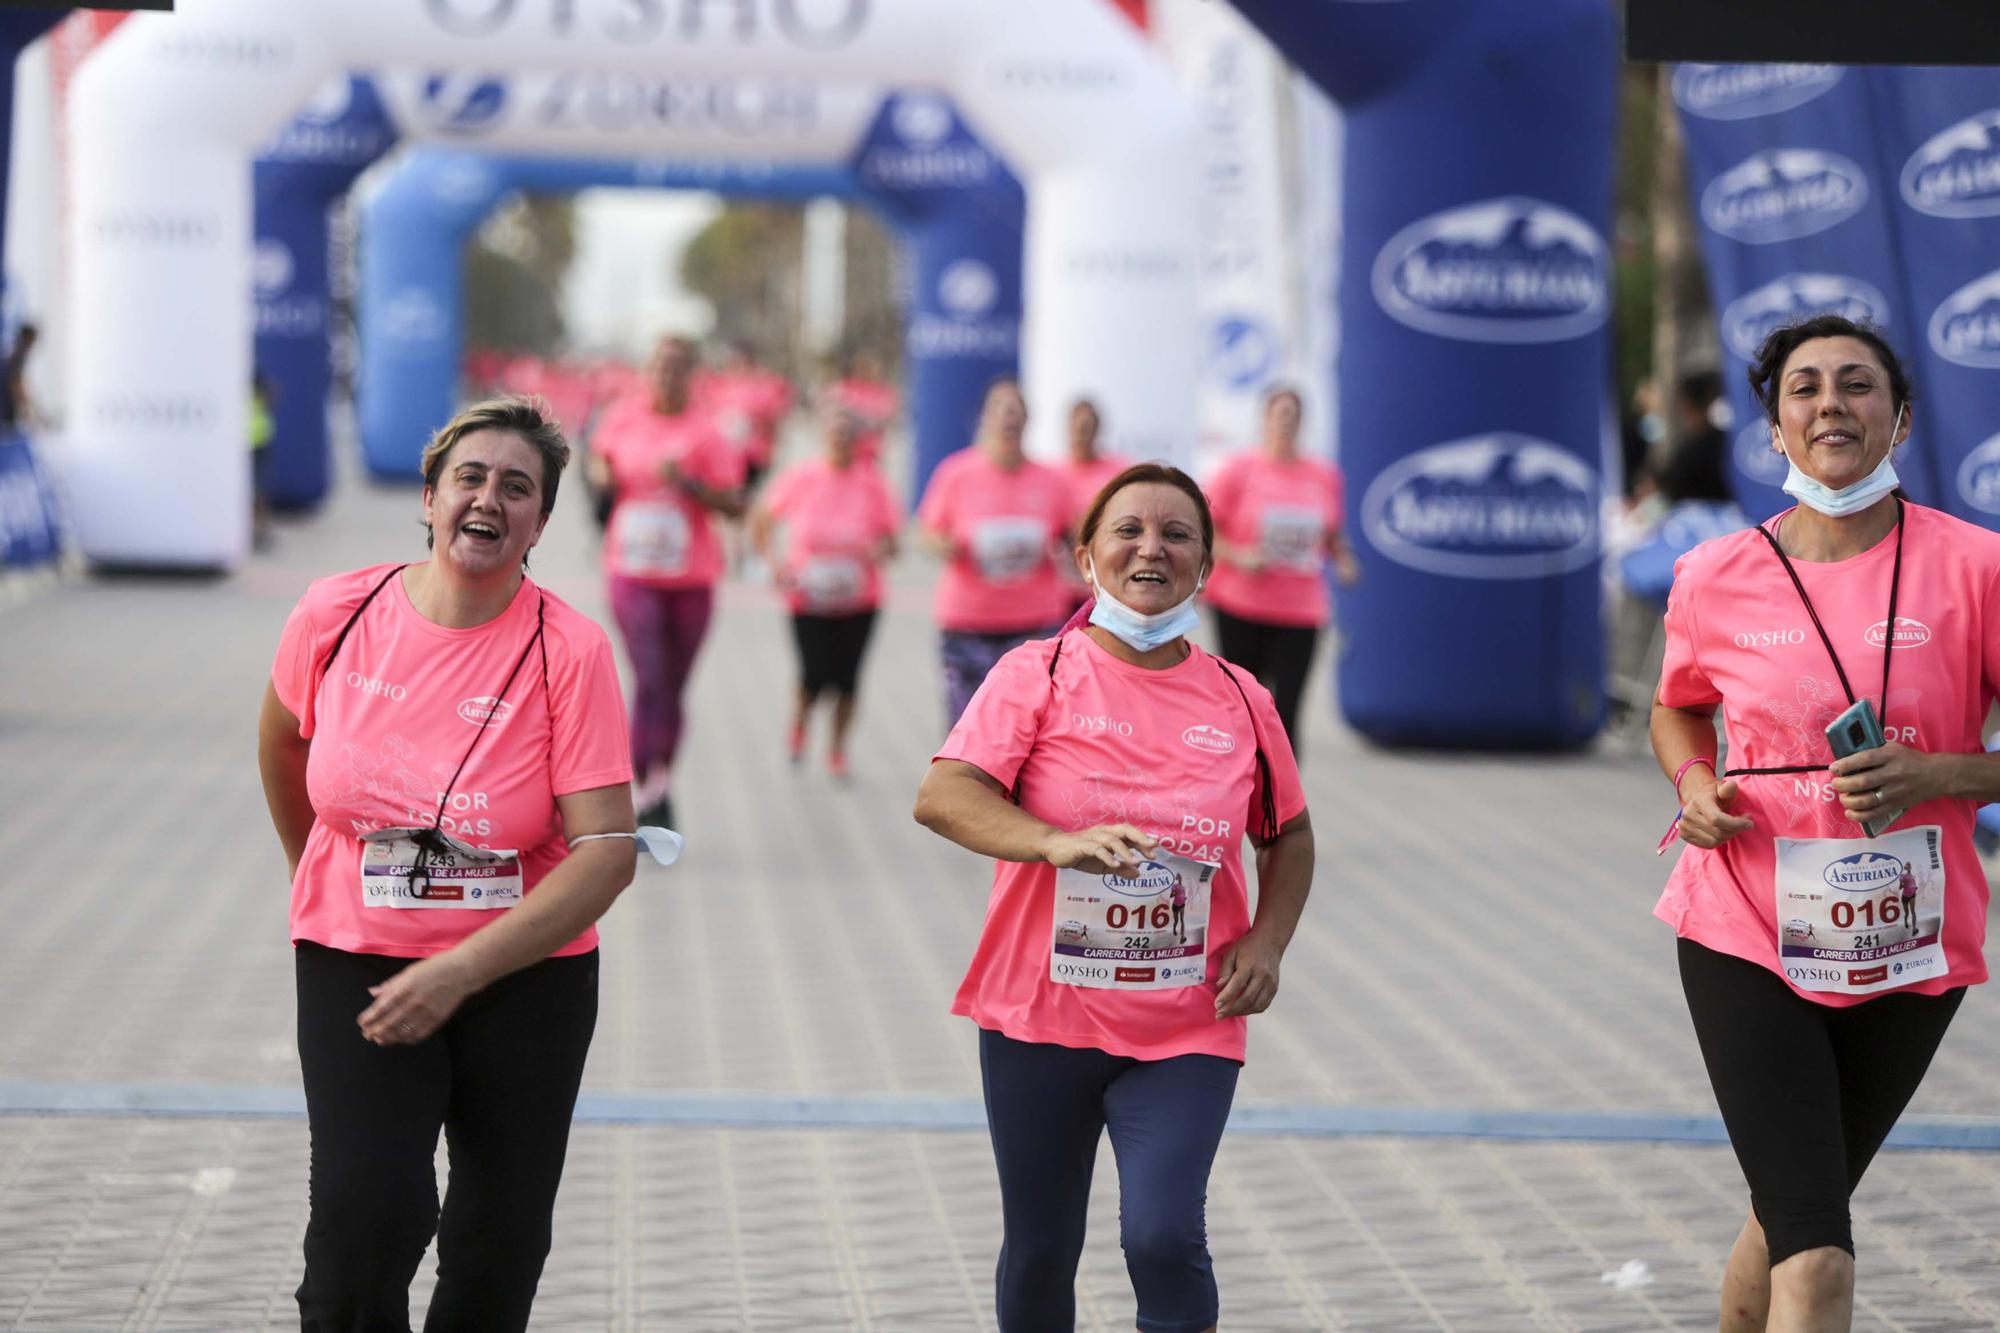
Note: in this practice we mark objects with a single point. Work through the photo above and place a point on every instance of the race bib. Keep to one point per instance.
(1291, 538)
(1009, 548)
(650, 539)
(1860, 915)
(458, 875)
(1148, 931)
(832, 582)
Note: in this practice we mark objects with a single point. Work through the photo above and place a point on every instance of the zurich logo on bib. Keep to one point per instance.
(1742, 92)
(1965, 327)
(1498, 506)
(1507, 270)
(1784, 194)
(1750, 317)
(1956, 173)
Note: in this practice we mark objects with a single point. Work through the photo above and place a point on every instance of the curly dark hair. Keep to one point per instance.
(1778, 346)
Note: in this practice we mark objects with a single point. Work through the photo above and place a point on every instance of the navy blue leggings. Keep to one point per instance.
(1046, 1107)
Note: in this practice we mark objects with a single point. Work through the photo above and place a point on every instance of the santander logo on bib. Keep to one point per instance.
(1212, 739)
(480, 707)
(1909, 633)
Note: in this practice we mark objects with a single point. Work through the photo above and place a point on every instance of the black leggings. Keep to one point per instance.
(500, 1077)
(1279, 656)
(830, 649)
(1808, 1091)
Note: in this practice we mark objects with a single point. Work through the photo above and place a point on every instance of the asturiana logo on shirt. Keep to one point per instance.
(1864, 872)
(1212, 739)
(1909, 633)
(480, 707)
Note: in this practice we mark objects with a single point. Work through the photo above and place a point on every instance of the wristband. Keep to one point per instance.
(1681, 772)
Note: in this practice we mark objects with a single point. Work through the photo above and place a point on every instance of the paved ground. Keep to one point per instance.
(1478, 958)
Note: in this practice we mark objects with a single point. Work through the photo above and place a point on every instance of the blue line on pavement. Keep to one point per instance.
(771, 1111)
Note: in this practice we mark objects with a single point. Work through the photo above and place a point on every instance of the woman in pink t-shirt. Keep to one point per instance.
(840, 524)
(1817, 1005)
(443, 752)
(671, 475)
(1113, 773)
(1277, 524)
(1087, 469)
(997, 520)
(873, 400)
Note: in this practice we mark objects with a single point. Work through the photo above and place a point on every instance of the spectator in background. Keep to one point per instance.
(16, 408)
(1087, 470)
(1697, 459)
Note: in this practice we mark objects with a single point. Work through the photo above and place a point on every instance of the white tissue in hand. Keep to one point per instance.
(663, 843)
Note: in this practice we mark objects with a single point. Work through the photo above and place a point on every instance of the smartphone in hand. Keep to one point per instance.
(1853, 731)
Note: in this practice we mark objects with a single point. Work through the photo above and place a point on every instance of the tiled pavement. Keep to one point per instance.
(1479, 939)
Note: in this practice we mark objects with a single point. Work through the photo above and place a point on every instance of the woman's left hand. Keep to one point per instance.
(1892, 776)
(414, 1003)
(1248, 981)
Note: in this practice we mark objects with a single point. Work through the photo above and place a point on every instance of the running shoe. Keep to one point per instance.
(797, 741)
(836, 764)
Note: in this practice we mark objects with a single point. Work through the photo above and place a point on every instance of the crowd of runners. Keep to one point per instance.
(443, 738)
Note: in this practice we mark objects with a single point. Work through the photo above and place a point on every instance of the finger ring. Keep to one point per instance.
(1878, 796)
(405, 1028)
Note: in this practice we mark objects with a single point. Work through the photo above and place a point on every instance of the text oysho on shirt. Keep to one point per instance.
(393, 716)
(1739, 636)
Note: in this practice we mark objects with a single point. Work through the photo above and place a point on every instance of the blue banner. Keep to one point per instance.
(28, 532)
(961, 214)
(1474, 296)
(299, 176)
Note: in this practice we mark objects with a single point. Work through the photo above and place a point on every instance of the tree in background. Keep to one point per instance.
(514, 272)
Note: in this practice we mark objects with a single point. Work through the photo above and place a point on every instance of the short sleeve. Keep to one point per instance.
(1224, 490)
(938, 508)
(588, 743)
(292, 669)
(999, 726)
(1288, 792)
(721, 464)
(1683, 683)
(782, 494)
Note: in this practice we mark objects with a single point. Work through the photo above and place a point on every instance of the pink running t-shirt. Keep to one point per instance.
(659, 535)
(834, 520)
(1007, 526)
(747, 406)
(1286, 511)
(1171, 751)
(1738, 634)
(392, 718)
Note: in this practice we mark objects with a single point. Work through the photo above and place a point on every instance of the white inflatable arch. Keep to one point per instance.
(167, 115)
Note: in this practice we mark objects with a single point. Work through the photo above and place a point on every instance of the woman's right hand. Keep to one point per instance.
(1705, 818)
(1104, 849)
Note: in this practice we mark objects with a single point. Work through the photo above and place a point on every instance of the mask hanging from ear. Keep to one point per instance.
(1141, 632)
(1843, 501)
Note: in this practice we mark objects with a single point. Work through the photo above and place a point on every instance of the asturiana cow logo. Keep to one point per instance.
(479, 708)
(1979, 477)
(1153, 879)
(1507, 270)
(1498, 506)
(1784, 194)
(1202, 736)
(1750, 317)
(1909, 633)
(1965, 327)
(1741, 92)
(1864, 872)
(1956, 173)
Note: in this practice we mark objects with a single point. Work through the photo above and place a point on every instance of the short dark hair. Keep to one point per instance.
(1778, 345)
(529, 418)
(1139, 474)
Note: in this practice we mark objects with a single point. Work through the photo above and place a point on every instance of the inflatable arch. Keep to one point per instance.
(958, 208)
(169, 112)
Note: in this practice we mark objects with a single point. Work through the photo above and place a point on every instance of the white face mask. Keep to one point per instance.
(1846, 500)
(1137, 630)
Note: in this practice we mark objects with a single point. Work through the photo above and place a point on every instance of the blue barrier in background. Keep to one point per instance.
(1474, 295)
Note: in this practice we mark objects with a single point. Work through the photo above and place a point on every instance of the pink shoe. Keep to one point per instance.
(796, 745)
(836, 764)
